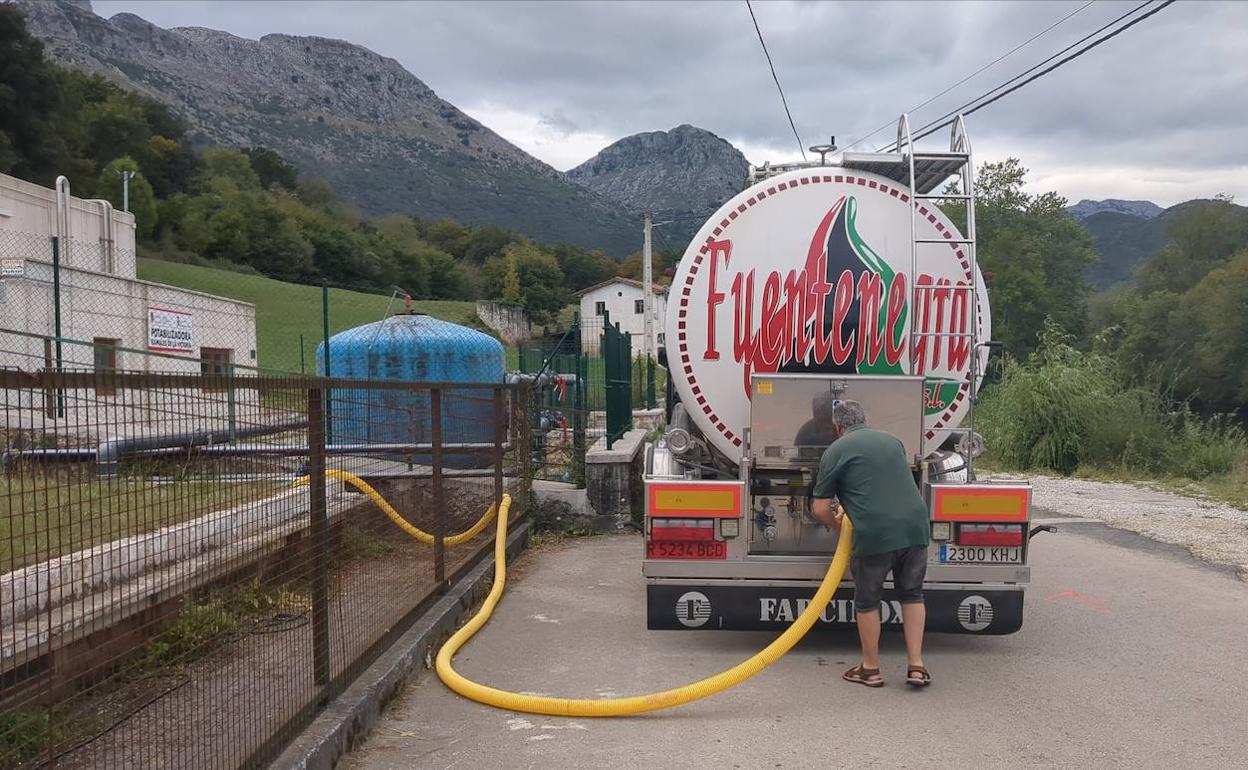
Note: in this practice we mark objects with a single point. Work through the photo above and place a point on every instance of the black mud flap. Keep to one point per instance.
(750, 608)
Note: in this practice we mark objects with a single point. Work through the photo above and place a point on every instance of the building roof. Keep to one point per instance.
(658, 289)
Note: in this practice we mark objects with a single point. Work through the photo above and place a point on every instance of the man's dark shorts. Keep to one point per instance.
(909, 567)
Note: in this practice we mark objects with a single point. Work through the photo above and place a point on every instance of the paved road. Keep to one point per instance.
(1131, 654)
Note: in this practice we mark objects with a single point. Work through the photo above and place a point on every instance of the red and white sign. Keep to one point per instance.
(170, 331)
(810, 271)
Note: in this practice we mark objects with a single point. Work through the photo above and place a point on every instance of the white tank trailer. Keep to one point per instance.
(828, 280)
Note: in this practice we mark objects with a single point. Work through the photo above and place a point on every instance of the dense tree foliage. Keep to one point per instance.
(29, 102)
(525, 274)
(271, 169)
(1185, 318)
(58, 121)
(140, 196)
(663, 264)
(251, 209)
(1033, 255)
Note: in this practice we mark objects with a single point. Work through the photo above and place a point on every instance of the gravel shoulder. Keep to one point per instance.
(1211, 531)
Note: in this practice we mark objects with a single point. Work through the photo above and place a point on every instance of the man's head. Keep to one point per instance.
(822, 408)
(846, 415)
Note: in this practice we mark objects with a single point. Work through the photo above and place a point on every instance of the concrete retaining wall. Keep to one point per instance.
(78, 574)
(613, 476)
(510, 321)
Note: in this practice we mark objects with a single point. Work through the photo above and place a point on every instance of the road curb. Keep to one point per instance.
(347, 719)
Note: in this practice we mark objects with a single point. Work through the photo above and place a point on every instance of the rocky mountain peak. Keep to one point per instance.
(1143, 209)
(376, 132)
(687, 171)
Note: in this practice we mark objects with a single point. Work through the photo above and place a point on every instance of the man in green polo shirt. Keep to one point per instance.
(868, 472)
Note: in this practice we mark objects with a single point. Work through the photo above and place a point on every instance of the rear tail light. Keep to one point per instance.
(990, 534)
(682, 529)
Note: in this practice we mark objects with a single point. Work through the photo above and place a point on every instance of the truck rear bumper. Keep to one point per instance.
(744, 606)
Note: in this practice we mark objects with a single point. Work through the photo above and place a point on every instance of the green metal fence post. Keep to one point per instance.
(618, 373)
(651, 399)
(302, 369)
(56, 310)
(319, 529)
(230, 403)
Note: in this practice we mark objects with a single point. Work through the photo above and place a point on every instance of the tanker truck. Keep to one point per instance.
(836, 279)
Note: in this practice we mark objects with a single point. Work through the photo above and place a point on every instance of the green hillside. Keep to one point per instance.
(286, 310)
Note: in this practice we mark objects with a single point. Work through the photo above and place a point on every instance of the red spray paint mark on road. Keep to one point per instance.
(1097, 603)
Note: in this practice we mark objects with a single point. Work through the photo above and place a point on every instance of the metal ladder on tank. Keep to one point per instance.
(923, 172)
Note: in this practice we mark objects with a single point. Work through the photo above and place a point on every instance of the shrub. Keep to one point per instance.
(1064, 408)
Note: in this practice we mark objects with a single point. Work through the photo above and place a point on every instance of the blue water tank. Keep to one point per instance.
(413, 348)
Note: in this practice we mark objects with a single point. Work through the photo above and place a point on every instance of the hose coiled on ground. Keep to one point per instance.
(636, 704)
(399, 521)
(593, 707)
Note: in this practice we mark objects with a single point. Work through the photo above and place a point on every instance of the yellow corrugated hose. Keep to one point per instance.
(593, 707)
(635, 704)
(400, 522)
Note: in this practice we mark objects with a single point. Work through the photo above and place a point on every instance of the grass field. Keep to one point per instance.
(49, 516)
(286, 310)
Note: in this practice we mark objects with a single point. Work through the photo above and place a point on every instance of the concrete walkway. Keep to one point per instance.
(1132, 654)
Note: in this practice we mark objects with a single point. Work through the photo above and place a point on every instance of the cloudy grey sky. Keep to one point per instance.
(1158, 112)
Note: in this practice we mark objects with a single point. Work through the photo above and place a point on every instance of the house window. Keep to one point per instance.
(105, 350)
(216, 363)
(600, 308)
(639, 306)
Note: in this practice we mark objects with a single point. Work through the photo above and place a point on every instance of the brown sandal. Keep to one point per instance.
(863, 676)
(918, 676)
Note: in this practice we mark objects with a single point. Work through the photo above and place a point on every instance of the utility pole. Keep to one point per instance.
(126, 176)
(647, 291)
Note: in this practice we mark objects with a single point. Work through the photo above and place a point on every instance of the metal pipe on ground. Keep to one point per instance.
(111, 451)
(450, 473)
(248, 450)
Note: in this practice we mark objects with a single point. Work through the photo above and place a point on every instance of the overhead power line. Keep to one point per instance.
(1018, 81)
(801, 147)
(987, 66)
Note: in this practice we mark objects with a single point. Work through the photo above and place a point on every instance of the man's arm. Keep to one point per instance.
(825, 489)
(821, 508)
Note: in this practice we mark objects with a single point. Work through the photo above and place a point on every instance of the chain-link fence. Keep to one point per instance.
(173, 591)
(579, 351)
(291, 330)
(81, 306)
(95, 291)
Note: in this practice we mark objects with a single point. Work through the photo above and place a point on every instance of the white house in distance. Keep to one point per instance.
(620, 299)
(108, 318)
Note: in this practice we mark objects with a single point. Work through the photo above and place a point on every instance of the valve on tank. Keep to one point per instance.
(765, 518)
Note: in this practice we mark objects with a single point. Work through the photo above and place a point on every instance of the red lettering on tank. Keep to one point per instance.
(842, 301)
(772, 332)
(922, 307)
(795, 310)
(793, 323)
(743, 337)
(960, 343)
(942, 312)
(870, 345)
(714, 297)
(941, 299)
(895, 344)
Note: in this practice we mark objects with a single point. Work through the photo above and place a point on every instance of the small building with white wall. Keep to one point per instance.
(108, 318)
(620, 300)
